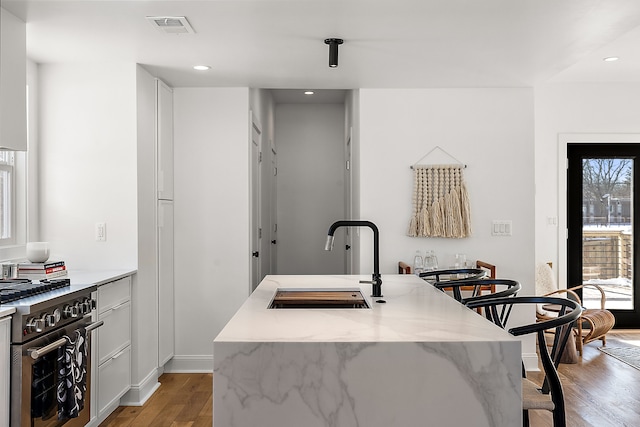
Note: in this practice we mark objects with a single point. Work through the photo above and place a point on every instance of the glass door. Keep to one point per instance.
(601, 206)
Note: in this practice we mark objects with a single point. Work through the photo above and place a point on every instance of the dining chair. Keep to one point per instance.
(452, 274)
(489, 268)
(503, 288)
(404, 268)
(594, 323)
(548, 395)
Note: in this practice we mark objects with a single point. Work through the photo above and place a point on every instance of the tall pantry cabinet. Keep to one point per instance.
(153, 297)
(164, 179)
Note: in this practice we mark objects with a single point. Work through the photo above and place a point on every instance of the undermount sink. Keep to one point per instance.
(318, 298)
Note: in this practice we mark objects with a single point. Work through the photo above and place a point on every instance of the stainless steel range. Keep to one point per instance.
(50, 351)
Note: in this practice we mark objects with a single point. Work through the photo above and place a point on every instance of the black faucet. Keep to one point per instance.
(376, 280)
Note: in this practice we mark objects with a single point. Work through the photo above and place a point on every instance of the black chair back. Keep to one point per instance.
(568, 313)
(452, 274)
(511, 288)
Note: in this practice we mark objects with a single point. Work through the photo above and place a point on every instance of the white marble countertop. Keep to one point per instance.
(6, 311)
(414, 312)
(97, 277)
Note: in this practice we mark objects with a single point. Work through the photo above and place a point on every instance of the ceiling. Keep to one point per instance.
(387, 43)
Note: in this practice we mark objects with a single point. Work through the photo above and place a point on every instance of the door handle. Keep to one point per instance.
(255, 254)
(347, 247)
(273, 242)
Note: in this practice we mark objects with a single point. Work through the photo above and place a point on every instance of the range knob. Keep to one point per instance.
(70, 311)
(86, 306)
(57, 315)
(79, 307)
(35, 325)
(49, 320)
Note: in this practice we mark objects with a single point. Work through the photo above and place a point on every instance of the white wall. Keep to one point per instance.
(88, 163)
(310, 139)
(33, 161)
(211, 148)
(490, 130)
(588, 108)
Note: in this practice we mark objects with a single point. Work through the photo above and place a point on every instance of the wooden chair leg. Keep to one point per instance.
(579, 338)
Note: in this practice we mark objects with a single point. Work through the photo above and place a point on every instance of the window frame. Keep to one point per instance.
(8, 218)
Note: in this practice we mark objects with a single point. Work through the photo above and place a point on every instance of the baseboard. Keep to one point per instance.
(530, 361)
(140, 393)
(189, 364)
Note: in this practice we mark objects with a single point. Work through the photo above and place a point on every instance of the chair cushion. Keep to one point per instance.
(533, 399)
(545, 283)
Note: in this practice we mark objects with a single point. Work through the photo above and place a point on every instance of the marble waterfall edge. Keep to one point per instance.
(364, 384)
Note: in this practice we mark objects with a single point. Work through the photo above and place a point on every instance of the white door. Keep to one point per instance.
(348, 204)
(273, 198)
(164, 126)
(166, 311)
(256, 230)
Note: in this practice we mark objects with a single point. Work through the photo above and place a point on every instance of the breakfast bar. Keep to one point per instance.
(416, 357)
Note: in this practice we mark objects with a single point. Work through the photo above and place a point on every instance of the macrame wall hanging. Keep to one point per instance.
(440, 201)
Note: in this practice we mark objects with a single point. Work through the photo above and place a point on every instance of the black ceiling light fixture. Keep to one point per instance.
(333, 51)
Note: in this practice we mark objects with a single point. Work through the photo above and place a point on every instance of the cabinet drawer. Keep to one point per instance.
(113, 294)
(114, 379)
(115, 334)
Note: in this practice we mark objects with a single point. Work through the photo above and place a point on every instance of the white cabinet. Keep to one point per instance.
(113, 343)
(166, 310)
(164, 214)
(164, 140)
(5, 330)
(13, 82)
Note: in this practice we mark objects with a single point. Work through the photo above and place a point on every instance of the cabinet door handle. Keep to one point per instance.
(118, 307)
(120, 353)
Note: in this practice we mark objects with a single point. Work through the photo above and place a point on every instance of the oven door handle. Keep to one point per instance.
(35, 353)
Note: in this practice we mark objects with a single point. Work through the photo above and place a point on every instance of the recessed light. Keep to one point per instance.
(611, 58)
(201, 67)
(308, 92)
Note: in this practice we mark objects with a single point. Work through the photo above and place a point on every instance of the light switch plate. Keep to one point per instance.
(501, 228)
(101, 231)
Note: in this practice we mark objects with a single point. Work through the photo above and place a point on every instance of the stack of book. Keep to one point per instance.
(42, 270)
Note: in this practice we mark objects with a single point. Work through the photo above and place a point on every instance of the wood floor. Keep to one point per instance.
(183, 400)
(600, 391)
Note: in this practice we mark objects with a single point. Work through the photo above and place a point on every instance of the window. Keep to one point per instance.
(7, 197)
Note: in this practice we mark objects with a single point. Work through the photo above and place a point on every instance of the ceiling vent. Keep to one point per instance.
(171, 24)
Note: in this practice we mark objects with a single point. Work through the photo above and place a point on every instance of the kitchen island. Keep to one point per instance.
(421, 358)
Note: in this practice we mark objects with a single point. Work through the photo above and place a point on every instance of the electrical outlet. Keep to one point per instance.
(101, 231)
